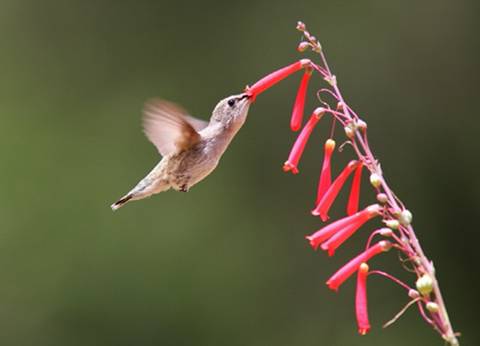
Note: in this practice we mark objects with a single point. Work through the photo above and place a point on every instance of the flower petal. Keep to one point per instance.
(337, 279)
(325, 175)
(352, 206)
(325, 203)
(298, 107)
(361, 307)
(275, 77)
(297, 149)
(356, 220)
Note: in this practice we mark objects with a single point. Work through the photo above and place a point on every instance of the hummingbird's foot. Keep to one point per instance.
(184, 188)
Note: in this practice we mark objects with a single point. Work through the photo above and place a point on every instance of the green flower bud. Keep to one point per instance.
(386, 232)
(405, 217)
(349, 131)
(425, 284)
(382, 198)
(375, 180)
(432, 307)
(393, 224)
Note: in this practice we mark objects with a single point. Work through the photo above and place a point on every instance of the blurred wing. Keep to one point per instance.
(198, 124)
(168, 127)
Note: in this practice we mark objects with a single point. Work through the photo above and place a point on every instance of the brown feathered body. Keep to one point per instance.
(191, 148)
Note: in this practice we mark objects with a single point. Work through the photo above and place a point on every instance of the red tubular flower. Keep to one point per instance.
(342, 235)
(325, 174)
(299, 146)
(361, 309)
(325, 203)
(338, 239)
(351, 267)
(297, 113)
(275, 77)
(352, 206)
(354, 221)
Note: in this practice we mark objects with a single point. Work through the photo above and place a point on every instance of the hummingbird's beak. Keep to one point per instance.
(244, 100)
(246, 96)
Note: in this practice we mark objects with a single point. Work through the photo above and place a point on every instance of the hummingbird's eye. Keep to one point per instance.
(231, 102)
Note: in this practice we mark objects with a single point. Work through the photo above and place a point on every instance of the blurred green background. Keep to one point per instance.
(227, 263)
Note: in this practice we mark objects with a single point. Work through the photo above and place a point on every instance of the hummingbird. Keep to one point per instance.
(190, 148)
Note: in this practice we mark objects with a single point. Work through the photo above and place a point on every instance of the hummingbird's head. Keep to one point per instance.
(232, 111)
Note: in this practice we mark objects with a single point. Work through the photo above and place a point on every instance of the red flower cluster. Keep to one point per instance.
(396, 217)
(330, 237)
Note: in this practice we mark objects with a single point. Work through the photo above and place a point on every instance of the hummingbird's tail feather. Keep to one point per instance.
(121, 201)
(144, 188)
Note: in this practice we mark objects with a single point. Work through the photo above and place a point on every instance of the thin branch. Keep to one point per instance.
(401, 312)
